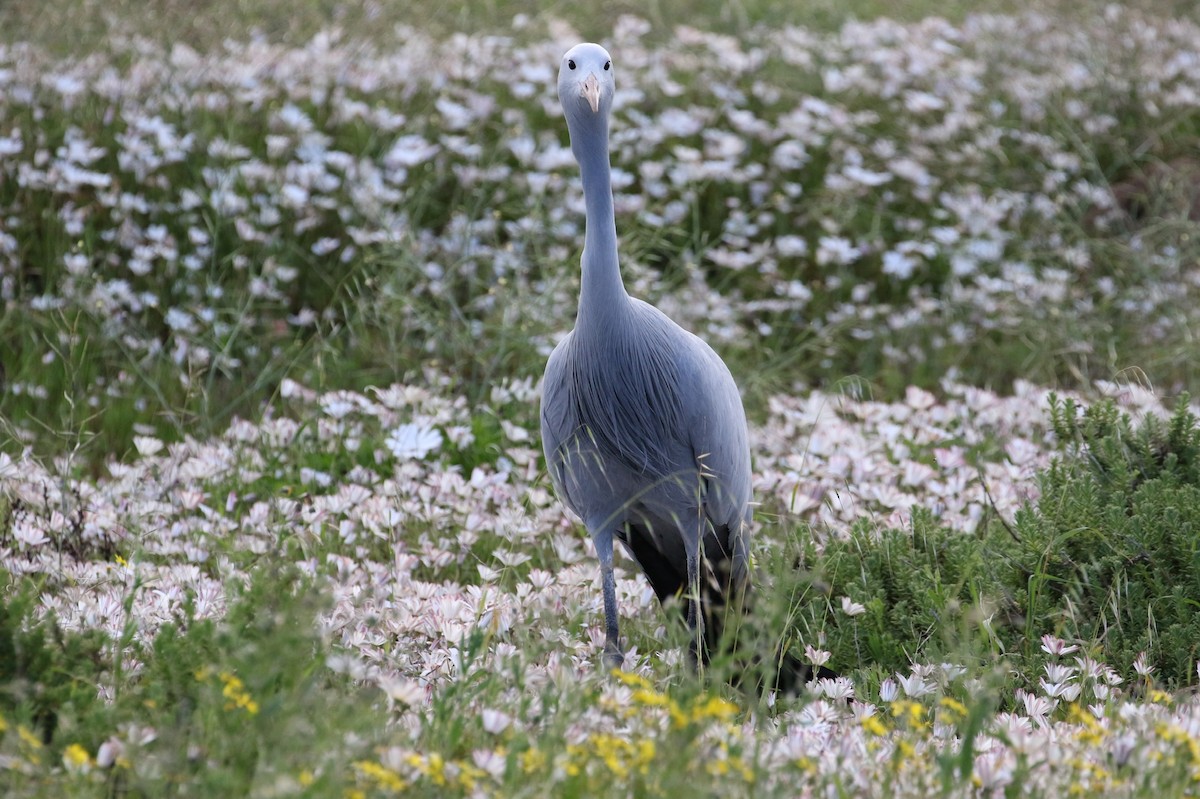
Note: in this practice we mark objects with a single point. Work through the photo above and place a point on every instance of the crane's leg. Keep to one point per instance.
(614, 658)
(695, 622)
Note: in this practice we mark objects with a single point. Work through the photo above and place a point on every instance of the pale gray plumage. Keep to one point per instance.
(642, 424)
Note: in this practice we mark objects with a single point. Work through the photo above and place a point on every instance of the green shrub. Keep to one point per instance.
(1109, 556)
(223, 707)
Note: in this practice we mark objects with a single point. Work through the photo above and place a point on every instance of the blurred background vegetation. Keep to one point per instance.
(373, 322)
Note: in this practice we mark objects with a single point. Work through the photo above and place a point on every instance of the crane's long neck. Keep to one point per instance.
(601, 294)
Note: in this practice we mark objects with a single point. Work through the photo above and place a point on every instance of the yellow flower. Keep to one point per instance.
(28, 738)
(953, 711)
(3, 725)
(532, 760)
(468, 775)
(613, 751)
(1160, 697)
(874, 726)
(1092, 732)
(714, 708)
(650, 698)
(76, 758)
(645, 755)
(631, 679)
(435, 768)
(381, 775)
(306, 778)
(432, 766)
(729, 765)
(912, 712)
(235, 691)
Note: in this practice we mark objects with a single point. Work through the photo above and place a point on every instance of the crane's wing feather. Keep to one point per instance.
(557, 412)
(712, 426)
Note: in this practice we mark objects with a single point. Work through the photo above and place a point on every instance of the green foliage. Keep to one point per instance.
(1109, 555)
(45, 674)
(227, 705)
(1115, 537)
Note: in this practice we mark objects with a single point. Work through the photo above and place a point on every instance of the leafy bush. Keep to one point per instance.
(1108, 556)
(221, 706)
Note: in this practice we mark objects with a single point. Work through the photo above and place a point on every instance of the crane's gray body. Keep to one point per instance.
(644, 427)
(642, 424)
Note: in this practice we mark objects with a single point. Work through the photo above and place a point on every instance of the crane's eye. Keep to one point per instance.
(607, 64)
(571, 63)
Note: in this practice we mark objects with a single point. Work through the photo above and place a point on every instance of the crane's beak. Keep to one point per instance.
(590, 90)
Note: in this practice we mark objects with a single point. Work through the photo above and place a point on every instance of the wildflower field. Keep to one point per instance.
(278, 282)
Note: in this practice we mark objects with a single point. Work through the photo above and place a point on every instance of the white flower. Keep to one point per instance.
(836, 250)
(337, 407)
(898, 264)
(1063, 690)
(1056, 646)
(817, 657)
(178, 319)
(915, 685)
(1056, 672)
(413, 441)
(512, 559)
(993, 769)
(791, 246)
(147, 445)
(109, 752)
(495, 721)
(1037, 707)
(889, 690)
(27, 535)
(409, 151)
(514, 432)
(1141, 666)
(852, 608)
(401, 690)
(836, 689)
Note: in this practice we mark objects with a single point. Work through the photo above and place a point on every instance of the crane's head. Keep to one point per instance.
(585, 81)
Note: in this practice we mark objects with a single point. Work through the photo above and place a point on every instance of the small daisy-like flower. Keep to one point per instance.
(1061, 690)
(836, 689)
(110, 752)
(495, 721)
(915, 685)
(1056, 646)
(852, 608)
(817, 657)
(413, 441)
(1037, 707)
(1141, 666)
(1056, 672)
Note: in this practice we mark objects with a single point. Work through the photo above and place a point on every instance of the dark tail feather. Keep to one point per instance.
(725, 607)
(752, 671)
